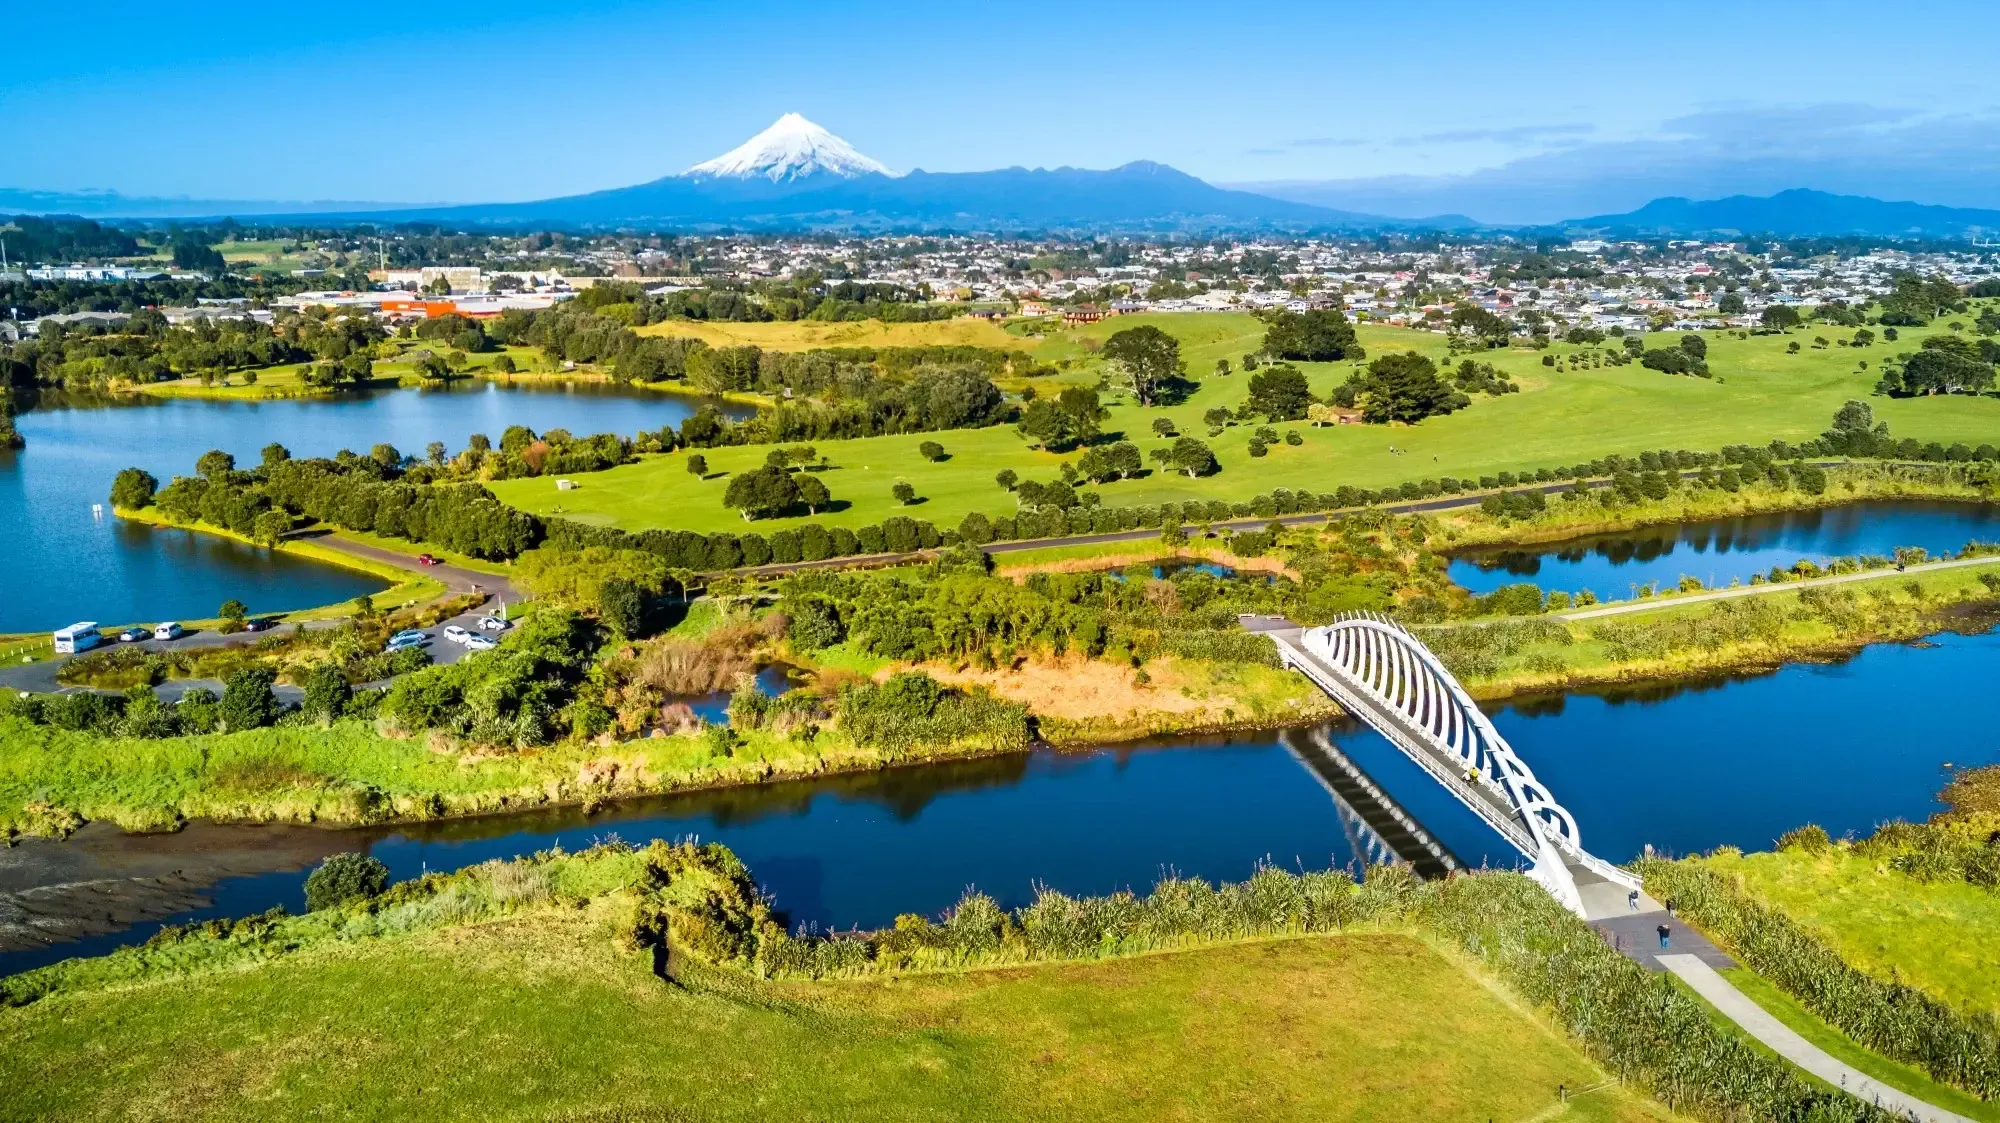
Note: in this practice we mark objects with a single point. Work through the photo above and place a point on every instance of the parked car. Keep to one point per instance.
(494, 624)
(134, 634)
(411, 638)
(168, 630)
(456, 634)
(480, 643)
(259, 624)
(426, 559)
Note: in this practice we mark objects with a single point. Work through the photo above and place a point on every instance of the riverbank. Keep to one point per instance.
(1561, 520)
(1781, 624)
(406, 589)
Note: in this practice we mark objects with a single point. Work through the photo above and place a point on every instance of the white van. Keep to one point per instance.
(168, 630)
(78, 637)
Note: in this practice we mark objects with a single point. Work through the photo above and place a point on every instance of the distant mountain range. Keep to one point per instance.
(1795, 213)
(796, 175)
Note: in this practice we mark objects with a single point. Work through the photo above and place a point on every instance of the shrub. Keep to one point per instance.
(343, 878)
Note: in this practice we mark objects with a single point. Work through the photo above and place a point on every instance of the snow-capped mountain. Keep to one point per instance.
(792, 149)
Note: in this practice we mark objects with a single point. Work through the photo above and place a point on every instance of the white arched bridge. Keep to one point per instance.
(1384, 676)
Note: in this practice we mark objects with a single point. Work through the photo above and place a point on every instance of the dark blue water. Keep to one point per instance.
(1684, 768)
(64, 564)
(1722, 550)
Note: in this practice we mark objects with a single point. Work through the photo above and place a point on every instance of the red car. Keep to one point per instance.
(426, 559)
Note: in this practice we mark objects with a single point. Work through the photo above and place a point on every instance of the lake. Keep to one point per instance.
(1728, 761)
(66, 563)
(1721, 550)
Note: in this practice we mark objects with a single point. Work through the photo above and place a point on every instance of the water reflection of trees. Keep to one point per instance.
(904, 790)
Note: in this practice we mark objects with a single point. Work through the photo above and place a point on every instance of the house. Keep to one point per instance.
(1087, 314)
(1034, 308)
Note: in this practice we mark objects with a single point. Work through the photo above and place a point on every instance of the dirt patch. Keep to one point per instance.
(1078, 689)
(102, 879)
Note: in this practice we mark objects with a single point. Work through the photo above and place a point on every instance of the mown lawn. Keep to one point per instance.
(545, 1017)
(1943, 937)
(1557, 418)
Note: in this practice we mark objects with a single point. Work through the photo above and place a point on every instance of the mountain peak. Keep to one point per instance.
(793, 148)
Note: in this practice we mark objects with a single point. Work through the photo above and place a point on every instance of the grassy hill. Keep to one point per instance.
(1560, 416)
(542, 1016)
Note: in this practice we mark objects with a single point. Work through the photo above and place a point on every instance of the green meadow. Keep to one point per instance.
(1561, 416)
(543, 1016)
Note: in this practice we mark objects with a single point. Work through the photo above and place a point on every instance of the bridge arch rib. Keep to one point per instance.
(1385, 676)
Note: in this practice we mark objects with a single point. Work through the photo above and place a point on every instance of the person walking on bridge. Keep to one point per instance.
(1632, 900)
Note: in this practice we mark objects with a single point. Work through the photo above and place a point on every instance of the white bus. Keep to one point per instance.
(78, 637)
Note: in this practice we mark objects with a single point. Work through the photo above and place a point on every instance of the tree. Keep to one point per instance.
(904, 493)
(1473, 322)
(343, 878)
(813, 494)
(1941, 368)
(697, 465)
(1779, 317)
(1163, 427)
(1146, 358)
(763, 493)
(273, 455)
(215, 464)
(1280, 393)
(1071, 418)
(1731, 304)
(1193, 457)
(191, 252)
(1007, 478)
(622, 606)
(247, 700)
(132, 489)
(233, 610)
(1695, 346)
(326, 694)
(270, 527)
(1316, 336)
(1405, 388)
(931, 450)
(1086, 412)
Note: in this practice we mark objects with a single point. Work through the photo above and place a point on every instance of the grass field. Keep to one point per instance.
(1943, 937)
(543, 1017)
(805, 335)
(1558, 418)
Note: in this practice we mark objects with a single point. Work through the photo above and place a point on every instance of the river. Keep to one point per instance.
(1729, 761)
(1718, 551)
(65, 562)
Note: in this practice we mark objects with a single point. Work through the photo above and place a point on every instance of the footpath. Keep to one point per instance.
(1695, 960)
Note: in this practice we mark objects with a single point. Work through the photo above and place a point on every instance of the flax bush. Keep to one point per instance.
(1891, 1018)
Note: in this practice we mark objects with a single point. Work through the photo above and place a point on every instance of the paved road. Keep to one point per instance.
(1759, 590)
(1758, 1023)
(455, 578)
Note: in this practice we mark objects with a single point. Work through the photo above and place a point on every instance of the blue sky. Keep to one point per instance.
(1480, 107)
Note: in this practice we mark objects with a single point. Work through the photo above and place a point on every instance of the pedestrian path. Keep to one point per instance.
(1699, 975)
